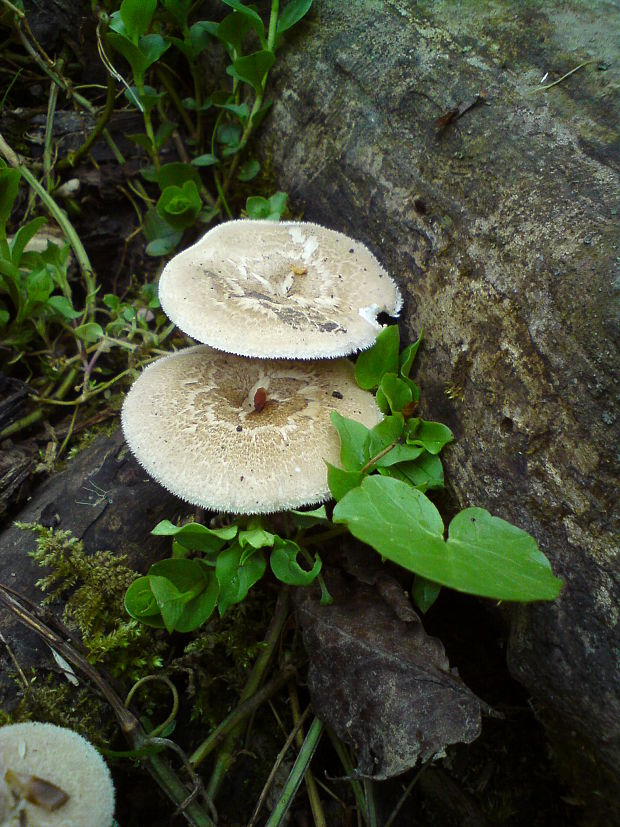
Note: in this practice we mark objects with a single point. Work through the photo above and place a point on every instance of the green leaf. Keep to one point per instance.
(23, 236)
(397, 393)
(248, 170)
(252, 68)
(9, 186)
(130, 51)
(291, 14)
(232, 32)
(139, 599)
(401, 453)
(153, 46)
(257, 207)
(136, 16)
(341, 482)
(353, 436)
(383, 435)
(255, 536)
(239, 110)
(62, 305)
(307, 519)
(235, 577)
(483, 555)
(179, 206)
(284, 565)
(251, 15)
(408, 355)
(430, 435)
(207, 160)
(382, 358)
(424, 473)
(39, 286)
(176, 174)
(424, 593)
(196, 536)
(178, 10)
(89, 333)
(162, 238)
(140, 139)
(198, 590)
(170, 601)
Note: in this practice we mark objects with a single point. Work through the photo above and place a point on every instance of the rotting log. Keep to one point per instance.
(105, 499)
(500, 226)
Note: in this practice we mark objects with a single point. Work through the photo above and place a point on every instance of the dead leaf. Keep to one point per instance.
(382, 684)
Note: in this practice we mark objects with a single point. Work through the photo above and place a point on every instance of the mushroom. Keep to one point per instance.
(52, 777)
(278, 290)
(242, 435)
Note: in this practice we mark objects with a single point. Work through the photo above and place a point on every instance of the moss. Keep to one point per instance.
(93, 587)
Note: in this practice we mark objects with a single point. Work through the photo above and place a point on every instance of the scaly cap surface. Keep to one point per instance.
(278, 290)
(194, 422)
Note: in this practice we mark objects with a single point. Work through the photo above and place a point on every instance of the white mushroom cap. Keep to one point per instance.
(278, 290)
(191, 421)
(60, 757)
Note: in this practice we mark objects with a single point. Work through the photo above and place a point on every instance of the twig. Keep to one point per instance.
(568, 74)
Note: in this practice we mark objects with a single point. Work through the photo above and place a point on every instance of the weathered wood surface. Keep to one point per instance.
(502, 233)
(105, 499)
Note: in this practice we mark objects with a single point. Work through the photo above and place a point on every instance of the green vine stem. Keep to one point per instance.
(156, 731)
(225, 757)
(63, 222)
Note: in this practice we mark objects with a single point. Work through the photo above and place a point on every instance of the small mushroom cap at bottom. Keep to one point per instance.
(55, 756)
(246, 436)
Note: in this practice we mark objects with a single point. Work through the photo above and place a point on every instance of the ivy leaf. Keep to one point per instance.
(353, 436)
(483, 555)
(195, 536)
(430, 435)
(284, 565)
(382, 358)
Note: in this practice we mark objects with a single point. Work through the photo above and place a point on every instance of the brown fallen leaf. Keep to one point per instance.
(382, 684)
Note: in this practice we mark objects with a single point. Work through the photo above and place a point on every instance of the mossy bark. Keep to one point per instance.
(502, 233)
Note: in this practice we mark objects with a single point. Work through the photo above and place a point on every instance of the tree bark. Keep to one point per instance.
(501, 230)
